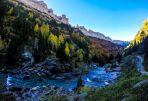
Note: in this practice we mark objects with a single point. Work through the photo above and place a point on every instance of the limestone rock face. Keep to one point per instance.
(41, 6)
(92, 33)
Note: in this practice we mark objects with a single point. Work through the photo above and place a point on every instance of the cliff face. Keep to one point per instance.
(93, 34)
(100, 36)
(41, 6)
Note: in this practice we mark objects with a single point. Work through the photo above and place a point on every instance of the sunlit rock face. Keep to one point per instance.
(92, 33)
(41, 6)
(99, 35)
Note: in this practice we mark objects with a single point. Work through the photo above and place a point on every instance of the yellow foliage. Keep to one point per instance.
(38, 20)
(80, 54)
(45, 30)
(66, 44)
(26, 19)
(31, 15)
(36, 29)
(10, 11)
(61, 38)
(140, 35)
(54, 41)
(67, 51)
(59, 28)
(72, 48)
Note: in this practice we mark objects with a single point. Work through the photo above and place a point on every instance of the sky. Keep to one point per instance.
(118, 19)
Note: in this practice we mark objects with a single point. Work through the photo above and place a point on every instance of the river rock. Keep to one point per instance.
(26, 65)
(141, 83)
(35, 88)
(47, 72)
(106, 83)
(43, 74)
(53, 77)
(18, 99)
(39, 74)
(26, 76)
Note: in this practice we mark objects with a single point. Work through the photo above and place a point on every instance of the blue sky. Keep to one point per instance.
(118, 19)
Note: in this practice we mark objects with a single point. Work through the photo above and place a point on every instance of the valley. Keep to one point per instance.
(44, 58)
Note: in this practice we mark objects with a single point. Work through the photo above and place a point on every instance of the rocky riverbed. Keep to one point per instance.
(33, 81)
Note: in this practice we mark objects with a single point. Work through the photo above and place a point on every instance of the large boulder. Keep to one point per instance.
(141, 83)
(47, 72)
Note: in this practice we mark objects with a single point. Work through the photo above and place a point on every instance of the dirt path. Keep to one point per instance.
(140, 66)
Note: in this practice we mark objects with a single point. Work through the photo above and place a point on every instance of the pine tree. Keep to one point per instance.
(60, 53)
(79, 82)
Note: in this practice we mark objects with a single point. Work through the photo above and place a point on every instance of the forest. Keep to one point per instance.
(25, 31)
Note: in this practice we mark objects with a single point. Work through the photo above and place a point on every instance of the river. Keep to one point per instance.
(96, 77)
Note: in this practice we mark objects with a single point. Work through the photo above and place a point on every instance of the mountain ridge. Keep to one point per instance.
(41, 6)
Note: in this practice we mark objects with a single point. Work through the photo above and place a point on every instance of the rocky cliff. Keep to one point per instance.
(100, 35)
(41, 6)
(92, 33)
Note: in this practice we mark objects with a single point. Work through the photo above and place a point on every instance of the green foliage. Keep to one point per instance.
(13, 52)
(119, 57)
(84, 90)
(45, 30)
(111, 57)
(145, 64)
(118, 91)
(43, 49)
(127, 74)
(60, 53)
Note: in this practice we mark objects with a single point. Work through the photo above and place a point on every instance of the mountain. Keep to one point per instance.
(41, 6)
(100, 36)
(122, 43)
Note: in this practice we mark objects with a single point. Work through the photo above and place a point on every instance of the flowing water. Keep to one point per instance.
(96, 77)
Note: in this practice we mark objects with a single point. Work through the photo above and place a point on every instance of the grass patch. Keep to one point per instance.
(119, 91)
(84, 90)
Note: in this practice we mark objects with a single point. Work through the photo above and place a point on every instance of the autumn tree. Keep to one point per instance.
(72, 48)
(38, 20)
(36, 29)
(10, 11)
(67, 51)
(80, 53)
(30, 15)
(61, 39)
(55, 43)
(45, 30)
